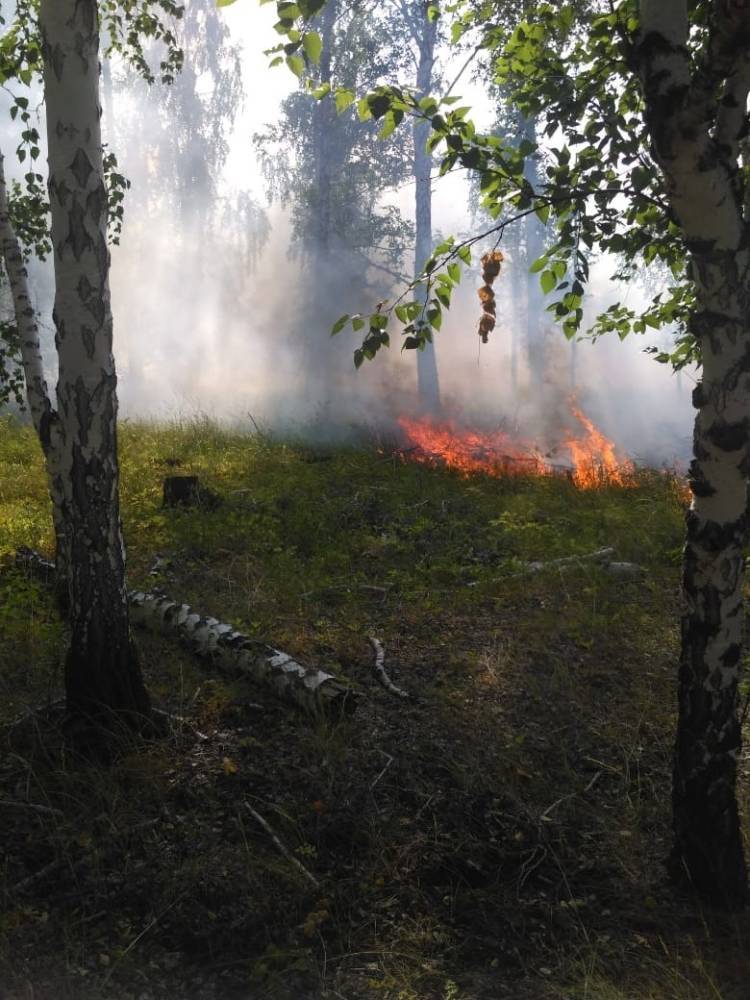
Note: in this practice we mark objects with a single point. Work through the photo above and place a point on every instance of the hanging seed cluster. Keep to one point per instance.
(490, 270)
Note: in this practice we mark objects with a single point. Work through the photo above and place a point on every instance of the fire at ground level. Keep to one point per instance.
(580, 451)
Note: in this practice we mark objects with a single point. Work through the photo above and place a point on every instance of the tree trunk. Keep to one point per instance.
(43, 416)
(102, 677)
(324, 115)
(708, 841)
(428, 385)
(534, 232)
(698, 153)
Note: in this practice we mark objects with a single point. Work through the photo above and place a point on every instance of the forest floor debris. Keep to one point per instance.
(501, 836)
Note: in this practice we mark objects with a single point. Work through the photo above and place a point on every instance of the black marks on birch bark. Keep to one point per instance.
(81, 168)
(96, 202)
(699, 484)
(56, 59)
(729, 436)
(89, 340)
(82, 399)
(715, 536)
(78, 238)
(86, 11)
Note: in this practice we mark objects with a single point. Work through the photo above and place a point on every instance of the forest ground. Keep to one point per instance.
(501, 835)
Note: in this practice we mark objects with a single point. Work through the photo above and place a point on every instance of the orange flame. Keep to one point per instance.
(594, 456)
(594, 459)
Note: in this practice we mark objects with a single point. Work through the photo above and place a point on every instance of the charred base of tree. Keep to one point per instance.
(707, 857)
(107, 703)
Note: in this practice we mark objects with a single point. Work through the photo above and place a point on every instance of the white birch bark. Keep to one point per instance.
(425, 36)
(696, 139)
(315, 691)
(534, 232)
(102, 677)
(43, 416)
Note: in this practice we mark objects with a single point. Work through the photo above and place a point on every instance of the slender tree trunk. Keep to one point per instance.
(43, 416)
(102, 677)
(428, 385)
(324, 116)
(708, 841)
(699, 154)
(320, 363)
(517, 288)
(534, 232)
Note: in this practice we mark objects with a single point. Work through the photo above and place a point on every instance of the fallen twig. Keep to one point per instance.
(388, 764)
(30, 880)
(379, 670)
(76, 866)
(44, 810)
(284, 850)
(182, 723)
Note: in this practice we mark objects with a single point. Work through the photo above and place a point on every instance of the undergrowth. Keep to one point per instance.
(502, 834)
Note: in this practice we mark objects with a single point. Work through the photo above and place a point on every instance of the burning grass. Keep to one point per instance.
(582, 452)
(502, 837)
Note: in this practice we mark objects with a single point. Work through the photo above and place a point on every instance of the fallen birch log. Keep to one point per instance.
(315, 691)
(602, 556)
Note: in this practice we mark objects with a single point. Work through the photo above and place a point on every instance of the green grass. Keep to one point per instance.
(503, 836)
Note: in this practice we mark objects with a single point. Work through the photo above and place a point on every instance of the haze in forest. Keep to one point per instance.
(223, 302)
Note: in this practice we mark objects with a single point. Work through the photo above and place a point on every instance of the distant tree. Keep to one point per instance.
(176, 134)
(333, 173)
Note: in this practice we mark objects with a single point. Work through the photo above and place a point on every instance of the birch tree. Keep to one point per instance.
(78, 430)
(102, 674)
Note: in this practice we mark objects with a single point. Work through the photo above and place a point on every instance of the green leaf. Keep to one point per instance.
(548, 281)
(454, 272)
(363, 109)
(322, 91)
(389, 124)
(313, 46)
(225, 3)
(339, 325)
(296, 64)
(542, 213)
(344, 98)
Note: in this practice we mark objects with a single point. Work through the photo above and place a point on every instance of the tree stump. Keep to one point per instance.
(181, 491)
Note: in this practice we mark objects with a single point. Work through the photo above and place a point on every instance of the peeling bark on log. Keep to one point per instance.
(315, 691)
